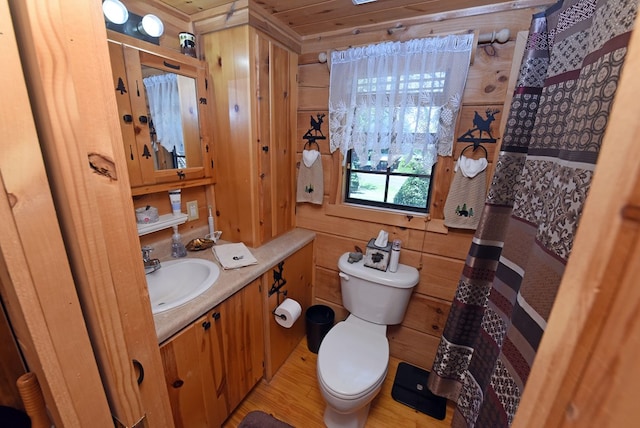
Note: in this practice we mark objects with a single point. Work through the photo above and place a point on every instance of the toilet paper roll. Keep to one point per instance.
(287, 313)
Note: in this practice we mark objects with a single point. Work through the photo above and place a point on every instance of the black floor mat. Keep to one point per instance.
(410, 389)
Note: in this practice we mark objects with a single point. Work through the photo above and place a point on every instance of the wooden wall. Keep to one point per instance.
(438, 253)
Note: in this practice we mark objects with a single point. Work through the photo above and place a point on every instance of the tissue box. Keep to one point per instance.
(147, 214)
(377, 257)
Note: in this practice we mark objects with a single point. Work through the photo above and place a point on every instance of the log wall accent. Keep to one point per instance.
(438, 254)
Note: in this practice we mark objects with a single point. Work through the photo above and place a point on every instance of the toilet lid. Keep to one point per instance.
(352, 359)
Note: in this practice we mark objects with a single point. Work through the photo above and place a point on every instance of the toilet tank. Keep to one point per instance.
(373, 295)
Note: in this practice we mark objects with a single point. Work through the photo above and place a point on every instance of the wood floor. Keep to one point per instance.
(293, 397)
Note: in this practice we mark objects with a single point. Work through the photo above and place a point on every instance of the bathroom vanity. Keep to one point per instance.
(216, 347)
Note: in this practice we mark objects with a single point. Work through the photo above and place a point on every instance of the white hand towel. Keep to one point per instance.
(309, 157)
(234, 256)
(471, 167)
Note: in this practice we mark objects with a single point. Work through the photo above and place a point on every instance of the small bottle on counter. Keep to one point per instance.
(395, 255)
(177, 247)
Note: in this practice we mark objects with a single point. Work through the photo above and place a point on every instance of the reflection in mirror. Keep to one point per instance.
(173, 118)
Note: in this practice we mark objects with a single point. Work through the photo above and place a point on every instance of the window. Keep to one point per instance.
(402, 182)
(392, 110)
(400, 185)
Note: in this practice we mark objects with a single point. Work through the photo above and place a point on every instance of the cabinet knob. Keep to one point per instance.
(177, 383)
(265, 149)
(143, 119)
(215, 316)
(127, 118)
(206, 325)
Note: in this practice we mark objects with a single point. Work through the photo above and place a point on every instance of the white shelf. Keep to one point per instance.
(164, 222)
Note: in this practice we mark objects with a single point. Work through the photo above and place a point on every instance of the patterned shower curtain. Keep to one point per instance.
(559, 112)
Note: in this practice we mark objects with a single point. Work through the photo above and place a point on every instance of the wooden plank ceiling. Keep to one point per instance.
(310, 17)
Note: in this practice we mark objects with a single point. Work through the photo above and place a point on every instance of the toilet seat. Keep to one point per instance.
(352, 360)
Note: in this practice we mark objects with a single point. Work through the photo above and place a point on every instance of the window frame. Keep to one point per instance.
(348, 171)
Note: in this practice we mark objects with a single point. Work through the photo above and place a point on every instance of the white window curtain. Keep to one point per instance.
(164, 105)
(398, 98)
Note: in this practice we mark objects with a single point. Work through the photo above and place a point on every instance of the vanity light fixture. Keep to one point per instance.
(357, 2)
(115, 11)
(117, 18)
(151, 25)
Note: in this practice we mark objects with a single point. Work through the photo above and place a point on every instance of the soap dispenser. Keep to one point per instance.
(177, 247)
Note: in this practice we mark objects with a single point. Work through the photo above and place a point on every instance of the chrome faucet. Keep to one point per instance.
(150, 265)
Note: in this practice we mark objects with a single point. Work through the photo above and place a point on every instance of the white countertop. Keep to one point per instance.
(270, 254)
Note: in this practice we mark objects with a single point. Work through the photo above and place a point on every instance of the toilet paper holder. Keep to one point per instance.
(278, 283)
(281, 316)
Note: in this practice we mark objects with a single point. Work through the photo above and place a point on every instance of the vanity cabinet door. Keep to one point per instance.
(209, 334)
(135, 137)
(181, 358)
(195, 373)
(212, 365)
(241, 317)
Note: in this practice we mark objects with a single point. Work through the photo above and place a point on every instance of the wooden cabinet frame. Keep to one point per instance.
(255, 90)
(127, 55)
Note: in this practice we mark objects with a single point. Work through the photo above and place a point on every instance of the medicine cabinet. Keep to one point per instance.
(163, 104)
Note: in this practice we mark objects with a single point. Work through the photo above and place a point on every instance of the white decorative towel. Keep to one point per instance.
(470, 167)
(310, 178)
(234, 256)
(309, 157)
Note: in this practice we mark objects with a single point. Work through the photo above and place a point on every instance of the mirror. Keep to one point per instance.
(172, 106)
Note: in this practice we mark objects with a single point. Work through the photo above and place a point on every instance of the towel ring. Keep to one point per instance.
(486, 154)
(310, 142)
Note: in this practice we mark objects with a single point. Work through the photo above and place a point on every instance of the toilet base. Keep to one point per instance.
(333, 419)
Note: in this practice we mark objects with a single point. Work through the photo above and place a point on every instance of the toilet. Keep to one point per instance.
(354, 355)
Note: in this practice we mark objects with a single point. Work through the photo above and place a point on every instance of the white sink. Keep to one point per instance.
(179, 281)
